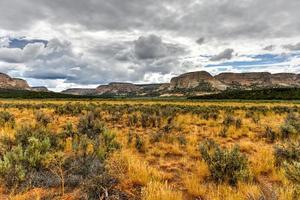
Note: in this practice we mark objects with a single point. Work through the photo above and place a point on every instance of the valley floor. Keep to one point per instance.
(152, 150)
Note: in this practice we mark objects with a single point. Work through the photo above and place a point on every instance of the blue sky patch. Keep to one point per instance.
(21, 42)
(261, 59)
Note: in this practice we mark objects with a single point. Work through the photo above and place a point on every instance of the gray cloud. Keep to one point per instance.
(16, 55)
(269, 47)
(149, 47)
(97, 41)
(214, 18)
(292, 47)
(200, 40)
(224, 55)
(152, 47)
(125, 61)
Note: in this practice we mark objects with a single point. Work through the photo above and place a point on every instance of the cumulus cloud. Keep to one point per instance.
(16, 55)
(102, 41)
(212, 18)
(152, 47)
(149, 47)
(224, 55)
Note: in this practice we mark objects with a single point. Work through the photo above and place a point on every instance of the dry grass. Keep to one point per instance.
(180, 165)
(155, 190)
(132, 169)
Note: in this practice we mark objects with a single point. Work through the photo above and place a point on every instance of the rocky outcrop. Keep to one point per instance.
(285, 79)
(80, 91)
(6, 82)
(200, 80)
(117, 88)
(39, 89)
(259, 80)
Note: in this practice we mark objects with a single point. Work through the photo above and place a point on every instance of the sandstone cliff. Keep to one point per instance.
(6, 82)
(259, 80)
(200, 80)
(196, 83)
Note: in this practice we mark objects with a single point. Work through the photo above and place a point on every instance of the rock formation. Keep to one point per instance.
(6, 82)
(200, 82)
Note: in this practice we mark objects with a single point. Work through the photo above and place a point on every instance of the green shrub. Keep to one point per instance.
(42, 118)
(291, 126)
(139, 144)
(224, 165)
(182, 140)
(69, 109)
(229, 120)
(269, 134)
(90, 125)
(238, 123)
(223, 132)
(156, 137)
(253, 115)
(68, 130)
(7, 118)
(17, 163)
(286, 153)
(129, 138)
(292, 171)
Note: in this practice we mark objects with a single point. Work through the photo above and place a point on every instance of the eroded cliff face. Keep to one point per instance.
(259, 79)
(262, 79)
(116, 88)
(6, 82)
(192, 80)
(200, 82)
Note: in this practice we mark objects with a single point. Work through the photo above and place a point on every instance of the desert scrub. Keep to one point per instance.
(253, 115)
(28, 154)
(229, 120)
(42, 118)
(69, 109)
(35, 157)
(269, 135)
(90, 125)
(291, 126)
(286, 153)
(139, 144)
(224, 165)
(7, 118)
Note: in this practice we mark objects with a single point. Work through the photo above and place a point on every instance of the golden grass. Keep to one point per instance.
(179, 164)
(262, 162)
(127, 165)
(155, 190)
(194, 186)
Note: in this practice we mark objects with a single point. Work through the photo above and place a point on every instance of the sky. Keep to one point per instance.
(84, 43)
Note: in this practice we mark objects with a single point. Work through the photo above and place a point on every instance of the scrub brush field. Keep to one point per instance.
(150, 150)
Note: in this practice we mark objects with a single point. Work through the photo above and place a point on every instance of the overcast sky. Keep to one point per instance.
(84, 43)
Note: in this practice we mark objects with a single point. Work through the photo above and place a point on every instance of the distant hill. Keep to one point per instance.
(256, 94)
(200, 83)
(196, 83)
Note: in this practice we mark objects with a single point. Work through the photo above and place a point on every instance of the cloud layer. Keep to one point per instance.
(85, 43)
